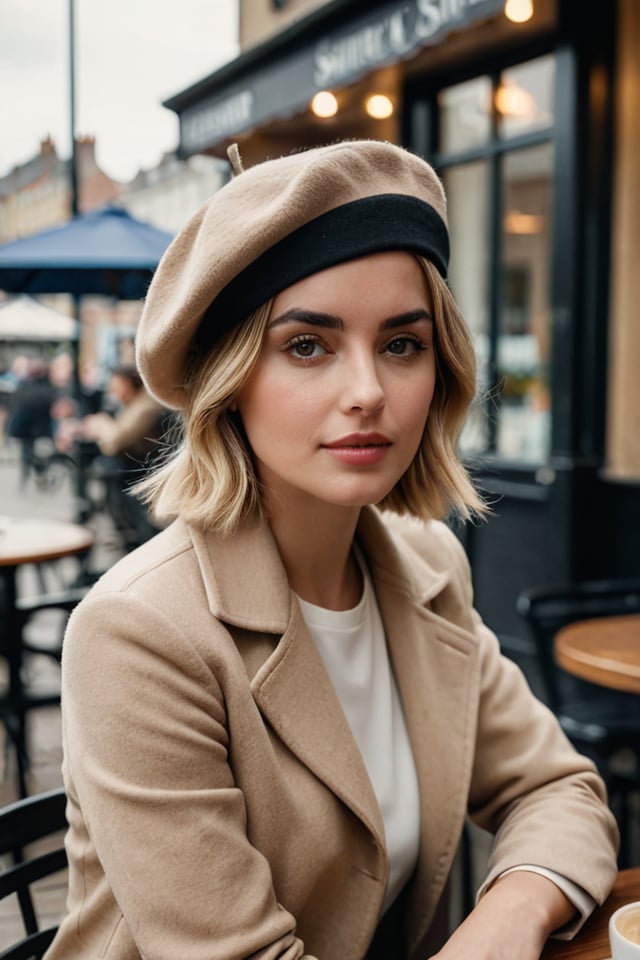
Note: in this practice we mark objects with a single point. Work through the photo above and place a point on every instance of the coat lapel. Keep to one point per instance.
(292, 688)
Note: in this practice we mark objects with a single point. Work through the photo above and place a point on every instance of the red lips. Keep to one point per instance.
(359, 449)
(359, 440)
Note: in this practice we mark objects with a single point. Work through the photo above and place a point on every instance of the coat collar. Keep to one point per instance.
(224, 562)
(429, 654)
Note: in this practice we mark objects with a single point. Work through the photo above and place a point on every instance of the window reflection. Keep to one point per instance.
(524, 97)
(464, 114)
(467, 188)
(524, 322)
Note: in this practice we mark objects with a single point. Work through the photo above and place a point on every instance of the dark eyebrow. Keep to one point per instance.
(295, 314)
(403, 319)
(314, 319)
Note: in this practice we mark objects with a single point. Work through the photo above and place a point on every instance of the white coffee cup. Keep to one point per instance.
(624, 932)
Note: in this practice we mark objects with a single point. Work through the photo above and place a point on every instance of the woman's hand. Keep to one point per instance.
(513, 919)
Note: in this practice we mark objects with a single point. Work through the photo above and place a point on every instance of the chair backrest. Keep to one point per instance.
(21, 824)
(549, 607)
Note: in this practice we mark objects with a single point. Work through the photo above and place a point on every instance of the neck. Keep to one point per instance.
(316, 547)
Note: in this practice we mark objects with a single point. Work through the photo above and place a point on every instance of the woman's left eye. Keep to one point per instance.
(305, 348)
(404, 346)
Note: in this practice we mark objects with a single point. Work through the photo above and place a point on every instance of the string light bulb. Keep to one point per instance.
(324, 105)
(379, 106)
(518, 11)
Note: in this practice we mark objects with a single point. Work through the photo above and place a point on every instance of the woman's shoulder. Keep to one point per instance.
(154, 599)
(150, 564)
(158, 581)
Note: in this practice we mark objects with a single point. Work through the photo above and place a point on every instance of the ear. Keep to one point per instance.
(233, 406)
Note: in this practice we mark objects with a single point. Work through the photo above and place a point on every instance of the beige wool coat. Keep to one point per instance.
(219, 808)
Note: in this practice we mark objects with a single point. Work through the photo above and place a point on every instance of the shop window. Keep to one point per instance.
(464, 115)
(495, 152)
(467, 187)
(524, 97)
(522, 358)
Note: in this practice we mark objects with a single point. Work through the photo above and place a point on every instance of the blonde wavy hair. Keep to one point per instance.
(210, 479)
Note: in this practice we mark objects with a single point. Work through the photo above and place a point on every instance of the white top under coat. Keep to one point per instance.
(353, 649)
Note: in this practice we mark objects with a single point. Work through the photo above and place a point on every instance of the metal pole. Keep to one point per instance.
(73, 170)
(72, 111)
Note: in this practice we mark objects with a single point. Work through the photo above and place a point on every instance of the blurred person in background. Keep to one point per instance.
(118, 444)
(132, 432)
(279, 713)
(9, 380)
(30, 411)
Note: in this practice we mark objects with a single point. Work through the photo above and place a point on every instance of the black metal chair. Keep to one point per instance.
(603, 724)
(22, 824)
(19, 698)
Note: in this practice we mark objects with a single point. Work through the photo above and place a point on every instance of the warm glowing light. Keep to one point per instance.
(513, 101)
(518, 11)
(324, 104)
(523, 224)
(379, 106)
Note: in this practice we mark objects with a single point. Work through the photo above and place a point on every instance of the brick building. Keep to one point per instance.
(37, 194)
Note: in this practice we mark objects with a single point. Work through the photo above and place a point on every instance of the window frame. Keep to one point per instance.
(425, 132)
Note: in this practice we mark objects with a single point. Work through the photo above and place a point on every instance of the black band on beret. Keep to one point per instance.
(356, 229)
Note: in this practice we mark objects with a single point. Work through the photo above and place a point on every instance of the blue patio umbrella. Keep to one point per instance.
(105, 252)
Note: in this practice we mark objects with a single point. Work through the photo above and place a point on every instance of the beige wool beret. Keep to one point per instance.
(271, 226)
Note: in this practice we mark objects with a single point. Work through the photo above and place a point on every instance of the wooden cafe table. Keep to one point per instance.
(592, 942)
(23, 542)
(604, 651)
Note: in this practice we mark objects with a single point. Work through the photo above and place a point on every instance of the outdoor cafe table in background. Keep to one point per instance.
(592, 942)
(605, 651)
(23, 542)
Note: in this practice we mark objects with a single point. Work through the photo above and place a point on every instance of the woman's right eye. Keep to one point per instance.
(305, 348)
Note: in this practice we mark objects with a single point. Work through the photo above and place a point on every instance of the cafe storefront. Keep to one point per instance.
(534, 128)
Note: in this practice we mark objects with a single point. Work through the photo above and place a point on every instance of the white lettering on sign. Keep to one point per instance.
(207, 123)
(434, 15)
(339, 59)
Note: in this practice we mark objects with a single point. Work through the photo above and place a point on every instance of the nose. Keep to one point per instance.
(362, 390)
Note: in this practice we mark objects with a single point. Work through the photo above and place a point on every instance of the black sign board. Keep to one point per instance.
(391, 33)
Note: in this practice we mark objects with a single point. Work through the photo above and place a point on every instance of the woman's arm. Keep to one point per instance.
(513, 919)
(544, 803)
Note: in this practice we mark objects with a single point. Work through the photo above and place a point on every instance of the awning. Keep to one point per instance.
(278, 78)
(23, 319)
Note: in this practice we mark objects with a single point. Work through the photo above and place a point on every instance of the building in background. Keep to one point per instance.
(36, 196)
(535, 130)
(165, 196)
(168, 194)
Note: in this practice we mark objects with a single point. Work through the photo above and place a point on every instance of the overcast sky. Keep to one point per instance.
(130, 55)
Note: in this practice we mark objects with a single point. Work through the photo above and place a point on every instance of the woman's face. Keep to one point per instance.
(337, 404)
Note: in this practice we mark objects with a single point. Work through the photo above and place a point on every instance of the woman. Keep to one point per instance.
(279, 711)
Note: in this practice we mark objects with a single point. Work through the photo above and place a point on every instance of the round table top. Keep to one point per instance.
(592, 942)
(605, 651)
(35, 541)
